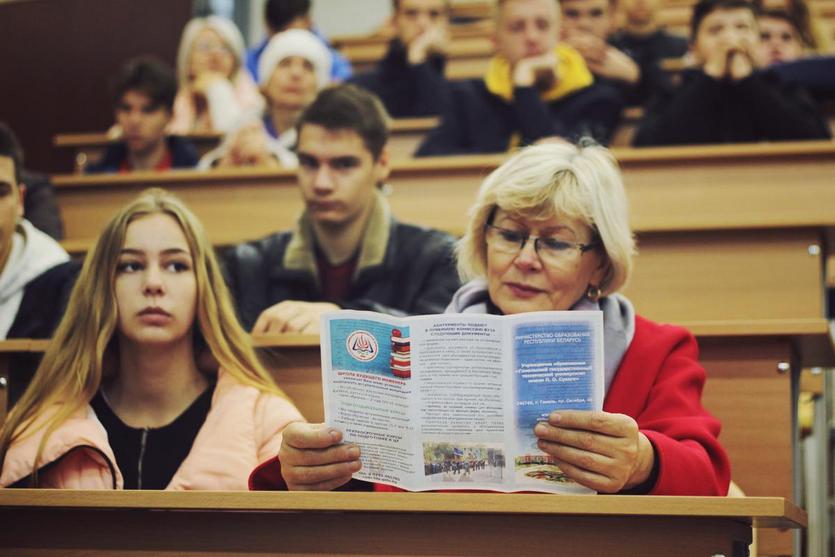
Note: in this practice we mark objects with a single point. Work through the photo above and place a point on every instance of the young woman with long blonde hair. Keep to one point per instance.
(149, 381)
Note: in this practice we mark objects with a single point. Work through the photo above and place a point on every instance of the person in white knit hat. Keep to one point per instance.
(293, 68)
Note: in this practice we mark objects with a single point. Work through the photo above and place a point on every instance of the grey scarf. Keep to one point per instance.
(618, 320)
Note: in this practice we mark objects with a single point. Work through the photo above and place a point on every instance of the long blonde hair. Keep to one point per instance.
(82, 349)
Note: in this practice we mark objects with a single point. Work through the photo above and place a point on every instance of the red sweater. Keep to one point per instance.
(659, 383)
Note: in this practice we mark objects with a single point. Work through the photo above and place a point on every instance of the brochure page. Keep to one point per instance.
(450, 401)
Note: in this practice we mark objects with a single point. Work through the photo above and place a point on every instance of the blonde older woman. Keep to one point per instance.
(215, 89)
(550, 231)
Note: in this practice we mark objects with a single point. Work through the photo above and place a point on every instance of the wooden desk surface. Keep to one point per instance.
(763, 512)
(669, 188)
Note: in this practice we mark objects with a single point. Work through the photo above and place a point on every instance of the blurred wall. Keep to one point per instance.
(58, 59)
(332, 17)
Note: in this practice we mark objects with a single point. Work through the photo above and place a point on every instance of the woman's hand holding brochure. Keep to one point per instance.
(601, 450)
(313, 457)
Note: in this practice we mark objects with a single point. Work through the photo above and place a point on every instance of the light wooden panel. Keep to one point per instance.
(700, 276)
(669, 188)
(142, 523)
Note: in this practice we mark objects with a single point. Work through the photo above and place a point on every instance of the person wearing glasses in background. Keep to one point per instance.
(550, 231)
(215, 88)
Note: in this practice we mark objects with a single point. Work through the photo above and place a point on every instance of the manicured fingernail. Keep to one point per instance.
(334, 435)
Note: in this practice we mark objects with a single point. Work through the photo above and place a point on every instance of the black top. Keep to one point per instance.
(149, 457)
(703, 110)
(477, 121)
(40, 205)
(407, 90)
(648, 52)
(417, 275)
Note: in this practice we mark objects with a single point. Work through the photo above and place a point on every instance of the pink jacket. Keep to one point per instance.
(227, 103)
(242, 430)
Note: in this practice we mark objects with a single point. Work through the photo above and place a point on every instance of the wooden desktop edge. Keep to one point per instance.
(625, 156)
(760, 327)
(102, 139)
(768, 512)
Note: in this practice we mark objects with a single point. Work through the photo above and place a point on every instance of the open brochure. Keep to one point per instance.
(450, 401)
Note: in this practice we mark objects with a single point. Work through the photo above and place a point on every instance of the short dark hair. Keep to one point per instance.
(10, 147)
(348, 107)
(280, 13)
(148, 76)
(705, 7)
(798, 18)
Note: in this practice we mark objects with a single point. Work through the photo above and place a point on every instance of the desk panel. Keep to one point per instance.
(157, 523)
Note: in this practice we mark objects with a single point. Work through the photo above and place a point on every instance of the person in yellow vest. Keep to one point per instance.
(534, 88)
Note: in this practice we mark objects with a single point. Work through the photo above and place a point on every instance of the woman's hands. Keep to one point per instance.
(603, 451)
(312, 457)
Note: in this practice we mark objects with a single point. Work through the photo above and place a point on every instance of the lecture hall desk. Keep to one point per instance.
(405, 135)
(725, 233)
(750, 388)
(109, 524)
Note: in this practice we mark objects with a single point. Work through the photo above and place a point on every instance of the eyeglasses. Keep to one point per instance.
(552, 251)
(209, 46)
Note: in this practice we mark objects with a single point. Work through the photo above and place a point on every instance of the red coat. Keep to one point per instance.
(659, 383)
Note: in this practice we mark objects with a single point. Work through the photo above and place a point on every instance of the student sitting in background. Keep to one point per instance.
(39, 203)
(293, 68)
(586, 24)
(281, 15)
(780, 37)
(790, 37)
(347, 251)
(644, 39)
(143, 99)
(215, 88)
(410, 77)
(34, 269)
(534, 89)
(119, 400)
(727, 100)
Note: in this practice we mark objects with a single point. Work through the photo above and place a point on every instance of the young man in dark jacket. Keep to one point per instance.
(410, 77)
(143, 102)
(347, 252)
(727, 99)
(534, 88)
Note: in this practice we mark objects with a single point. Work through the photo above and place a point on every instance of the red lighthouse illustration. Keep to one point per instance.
(401, 355)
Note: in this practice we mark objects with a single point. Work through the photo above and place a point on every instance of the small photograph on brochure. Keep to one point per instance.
(366, 346)
(464, 462)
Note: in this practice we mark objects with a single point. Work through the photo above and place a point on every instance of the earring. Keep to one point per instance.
(593, 292)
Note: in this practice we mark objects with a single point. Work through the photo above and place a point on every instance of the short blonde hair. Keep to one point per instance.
(556, 180)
